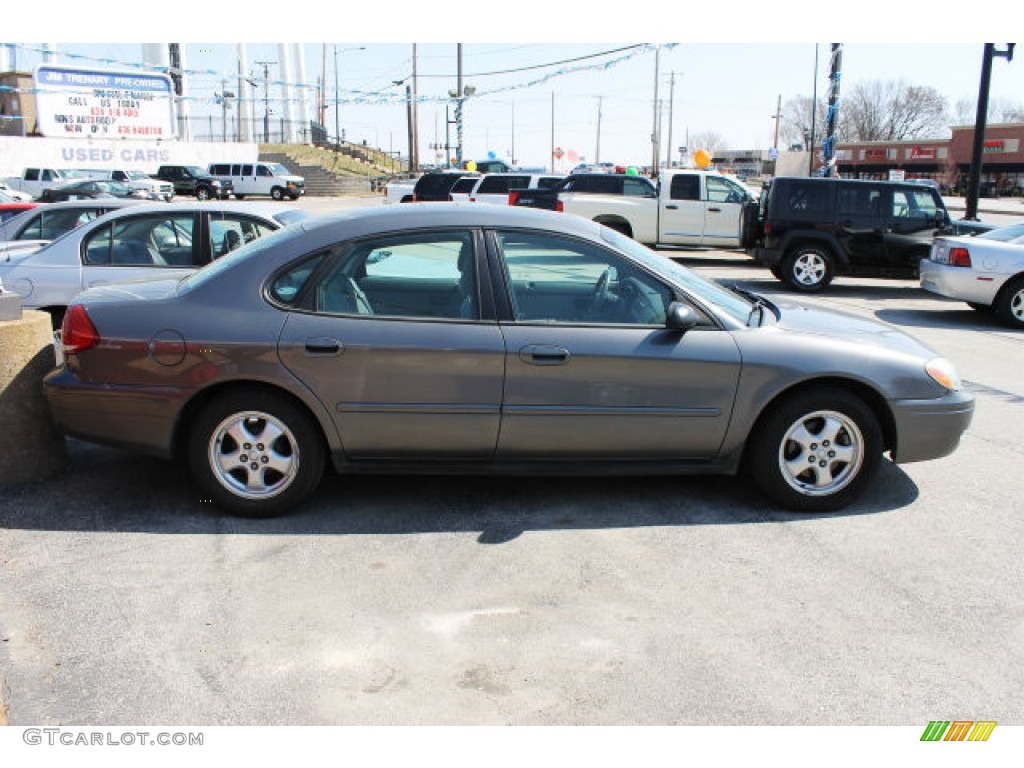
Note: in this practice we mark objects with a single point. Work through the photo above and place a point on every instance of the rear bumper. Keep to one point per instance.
(136, 418)
(930, 429)
(959, 282)
(767, 256)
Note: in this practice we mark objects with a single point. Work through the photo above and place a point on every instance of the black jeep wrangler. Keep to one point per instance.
(811, 229)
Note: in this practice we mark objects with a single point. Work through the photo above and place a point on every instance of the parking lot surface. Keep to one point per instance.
(452, 600)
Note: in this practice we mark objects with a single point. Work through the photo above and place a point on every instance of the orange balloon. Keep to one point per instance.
(702, 158)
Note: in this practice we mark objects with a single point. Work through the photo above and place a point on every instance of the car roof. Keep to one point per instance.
(357, 222)
(262, 209)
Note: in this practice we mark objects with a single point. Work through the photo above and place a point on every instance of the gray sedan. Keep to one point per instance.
(462, 338)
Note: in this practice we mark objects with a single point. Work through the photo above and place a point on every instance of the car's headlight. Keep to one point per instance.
(942, 371)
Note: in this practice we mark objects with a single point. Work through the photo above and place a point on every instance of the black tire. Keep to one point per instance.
(808, 269)
(239, 197)
(1009, 304)
(202, 193)
(255, 478)
(294, 197)
(980, 307)
(277, 193)
(777, 272)
(833, 427)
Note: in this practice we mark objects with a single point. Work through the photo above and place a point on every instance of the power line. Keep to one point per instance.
(550, 64)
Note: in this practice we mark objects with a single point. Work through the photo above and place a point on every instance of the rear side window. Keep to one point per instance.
(596, 185)
(685, 187)
(549, 182)
(803, 200)
(859, 202)
(464, 185)
(502, 184)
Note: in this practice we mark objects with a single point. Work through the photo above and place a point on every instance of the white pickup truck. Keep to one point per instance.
(686, 207)
(34, 180)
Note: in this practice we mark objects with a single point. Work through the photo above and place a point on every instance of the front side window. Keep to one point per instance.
(724, 191)
(229, 231)
(554, 279)
(429, 275)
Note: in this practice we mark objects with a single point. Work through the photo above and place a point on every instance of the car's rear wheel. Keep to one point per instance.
(816, 451)
(255, 453)
(1009, 303)
(808, 269)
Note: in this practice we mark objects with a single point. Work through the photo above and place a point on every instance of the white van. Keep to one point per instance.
(260, 179)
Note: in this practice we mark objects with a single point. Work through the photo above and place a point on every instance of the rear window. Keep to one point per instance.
(465, 184)
(604, 184)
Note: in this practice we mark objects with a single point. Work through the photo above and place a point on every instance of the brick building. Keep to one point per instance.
(947, 161)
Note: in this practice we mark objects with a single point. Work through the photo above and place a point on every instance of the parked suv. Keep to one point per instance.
(193, 180)
(812, 229)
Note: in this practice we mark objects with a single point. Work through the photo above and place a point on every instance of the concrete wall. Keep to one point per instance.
(18, 153)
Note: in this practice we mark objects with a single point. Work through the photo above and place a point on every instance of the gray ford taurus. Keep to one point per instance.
(460, 338)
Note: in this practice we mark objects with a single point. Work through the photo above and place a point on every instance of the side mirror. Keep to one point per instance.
(680, 316)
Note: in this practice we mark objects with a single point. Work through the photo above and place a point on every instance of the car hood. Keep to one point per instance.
(847, 328)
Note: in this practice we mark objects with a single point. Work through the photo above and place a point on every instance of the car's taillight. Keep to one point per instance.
(78, 333)
(959, 257)
(767, 227)
(560, 207)
(513, 198)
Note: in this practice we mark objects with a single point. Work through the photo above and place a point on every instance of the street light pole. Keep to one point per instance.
(978, 150)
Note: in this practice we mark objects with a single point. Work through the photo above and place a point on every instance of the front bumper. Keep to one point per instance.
(930, 429)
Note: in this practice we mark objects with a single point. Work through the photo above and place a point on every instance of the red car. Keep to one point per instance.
(7, 210)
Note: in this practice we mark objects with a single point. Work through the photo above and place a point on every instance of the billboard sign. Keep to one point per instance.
(73, 102)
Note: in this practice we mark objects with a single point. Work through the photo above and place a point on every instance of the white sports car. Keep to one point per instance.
(986, 271)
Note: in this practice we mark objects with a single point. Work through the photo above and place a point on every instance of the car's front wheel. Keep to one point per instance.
(808, 269)
(277, 193)
(816, 451)
(255, 453)
(1009, 303)
(202, 193)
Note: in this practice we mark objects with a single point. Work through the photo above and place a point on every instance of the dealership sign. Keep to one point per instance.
(93, 103)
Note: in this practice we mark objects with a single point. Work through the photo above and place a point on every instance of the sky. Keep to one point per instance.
(582, 79)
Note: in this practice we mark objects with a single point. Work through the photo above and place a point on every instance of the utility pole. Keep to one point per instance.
(654, 129)
(980, 121)
(414, 155)
(412, 132)
(778, 117)
(597, 149)
(814, 115)
(458, 113)
(671, 98)
(266, 98)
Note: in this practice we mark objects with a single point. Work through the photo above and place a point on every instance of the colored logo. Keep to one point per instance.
(958, 730)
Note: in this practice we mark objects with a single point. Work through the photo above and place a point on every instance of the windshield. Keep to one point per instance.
(136, 175)
(1004, 234)
(736, 305)
(195, 170)
(278, 170)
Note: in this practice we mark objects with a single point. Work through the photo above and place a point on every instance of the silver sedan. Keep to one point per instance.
(464, 338)
(986, 271)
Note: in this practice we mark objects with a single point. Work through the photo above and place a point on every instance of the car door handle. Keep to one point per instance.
(715, 210)
(543, 354)
(672, 207)
(324, 347)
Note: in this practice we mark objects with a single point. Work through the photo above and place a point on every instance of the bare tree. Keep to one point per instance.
(795, 126)
(893, 111)
(709, 141)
